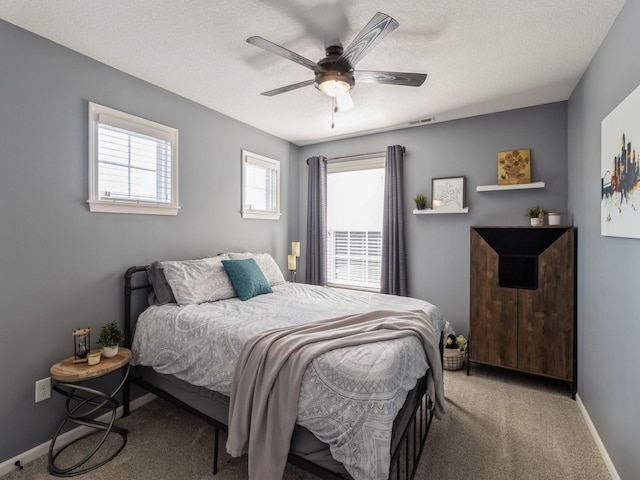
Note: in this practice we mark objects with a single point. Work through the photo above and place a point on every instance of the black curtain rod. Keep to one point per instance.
(360, 155)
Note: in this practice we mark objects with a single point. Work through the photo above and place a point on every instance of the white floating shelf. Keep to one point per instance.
(431, 211)
(520, 186)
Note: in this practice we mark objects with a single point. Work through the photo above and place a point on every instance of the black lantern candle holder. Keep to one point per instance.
(81, 344)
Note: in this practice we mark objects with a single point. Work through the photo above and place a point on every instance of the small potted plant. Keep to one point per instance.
(110, 337)
(536, 214)
(421, 201)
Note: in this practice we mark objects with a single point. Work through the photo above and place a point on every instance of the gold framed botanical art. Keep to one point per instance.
(514, 167)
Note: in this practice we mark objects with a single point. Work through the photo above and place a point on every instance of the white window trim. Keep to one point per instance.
(255, 159)
(137, 124)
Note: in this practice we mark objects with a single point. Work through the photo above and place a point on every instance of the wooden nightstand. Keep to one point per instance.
(83, 402)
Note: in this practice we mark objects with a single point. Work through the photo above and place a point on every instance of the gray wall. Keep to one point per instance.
(61, 266)
(438, 245)
(608, 313)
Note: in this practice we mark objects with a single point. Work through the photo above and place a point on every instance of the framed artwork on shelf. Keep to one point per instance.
(448, 193)
(514, 167)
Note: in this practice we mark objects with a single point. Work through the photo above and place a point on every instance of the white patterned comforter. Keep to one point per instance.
(349, 397)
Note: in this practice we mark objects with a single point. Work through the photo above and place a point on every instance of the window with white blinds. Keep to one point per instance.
(355, 201)
(133, 164)
(260, 186)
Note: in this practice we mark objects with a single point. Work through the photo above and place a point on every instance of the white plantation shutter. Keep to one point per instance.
(354, 258)
(133, 164)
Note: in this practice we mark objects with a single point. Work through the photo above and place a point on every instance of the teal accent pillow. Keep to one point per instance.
(247, 278)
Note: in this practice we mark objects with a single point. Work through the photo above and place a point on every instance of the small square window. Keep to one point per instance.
(260, 186)
(133, 164)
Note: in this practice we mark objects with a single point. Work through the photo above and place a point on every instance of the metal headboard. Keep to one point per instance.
(129, 288)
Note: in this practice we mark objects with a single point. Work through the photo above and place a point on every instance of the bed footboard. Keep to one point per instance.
(410, 443)
(406, 458)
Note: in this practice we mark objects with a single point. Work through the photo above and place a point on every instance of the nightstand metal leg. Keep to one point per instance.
(81, 403)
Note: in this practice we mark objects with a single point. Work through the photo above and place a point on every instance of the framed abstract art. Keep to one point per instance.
(620, 175)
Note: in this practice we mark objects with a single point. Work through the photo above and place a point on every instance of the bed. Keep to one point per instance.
(363, 410)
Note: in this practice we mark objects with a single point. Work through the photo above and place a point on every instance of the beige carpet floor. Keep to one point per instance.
(499, 425)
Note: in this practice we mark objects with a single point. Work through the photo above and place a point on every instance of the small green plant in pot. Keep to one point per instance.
(110, 337)
(421, 201)
(536, 214)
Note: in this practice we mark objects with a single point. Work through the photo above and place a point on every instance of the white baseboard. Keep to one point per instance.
(594, 433)
(65, 438)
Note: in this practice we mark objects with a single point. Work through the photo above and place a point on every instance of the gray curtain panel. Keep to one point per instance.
(316, 252)
(394, 260)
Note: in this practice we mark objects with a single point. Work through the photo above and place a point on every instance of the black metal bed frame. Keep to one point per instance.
(405, 458)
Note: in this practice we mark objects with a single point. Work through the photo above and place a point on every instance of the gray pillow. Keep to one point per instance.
(161, 288)
(267, 264)
(198, 281)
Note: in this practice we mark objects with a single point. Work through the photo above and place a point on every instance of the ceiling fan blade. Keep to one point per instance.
(283, 52)
(288, 88)
(344, 102)
(326, 20)
(378, 27)
(390, 78)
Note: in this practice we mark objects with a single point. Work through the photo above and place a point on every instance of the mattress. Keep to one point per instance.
(349, 397)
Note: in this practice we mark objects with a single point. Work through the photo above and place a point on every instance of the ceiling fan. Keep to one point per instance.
(334, 75)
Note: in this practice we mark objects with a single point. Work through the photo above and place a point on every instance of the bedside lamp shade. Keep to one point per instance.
(291, 262)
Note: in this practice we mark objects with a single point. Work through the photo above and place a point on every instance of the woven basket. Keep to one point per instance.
(453, 359)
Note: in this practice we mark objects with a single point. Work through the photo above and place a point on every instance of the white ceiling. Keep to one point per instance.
(481, 56)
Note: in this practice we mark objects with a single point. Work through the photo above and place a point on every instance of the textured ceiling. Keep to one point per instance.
(481, 56)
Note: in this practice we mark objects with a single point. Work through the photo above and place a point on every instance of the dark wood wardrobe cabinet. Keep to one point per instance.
(523, 300)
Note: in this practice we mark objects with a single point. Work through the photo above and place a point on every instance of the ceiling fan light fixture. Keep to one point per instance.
(334, 85)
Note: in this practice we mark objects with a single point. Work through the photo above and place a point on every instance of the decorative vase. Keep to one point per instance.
(541, 219)
(109, 352)
(514, 178)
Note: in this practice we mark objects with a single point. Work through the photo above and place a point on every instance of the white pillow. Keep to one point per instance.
(198, 281)
(267, 264)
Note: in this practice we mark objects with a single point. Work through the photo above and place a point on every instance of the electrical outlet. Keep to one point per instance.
(43, 389)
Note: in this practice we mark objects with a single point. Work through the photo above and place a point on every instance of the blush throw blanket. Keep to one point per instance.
(266, 382)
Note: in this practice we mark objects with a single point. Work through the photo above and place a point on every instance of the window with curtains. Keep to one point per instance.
(133, 164)
(355, 200)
